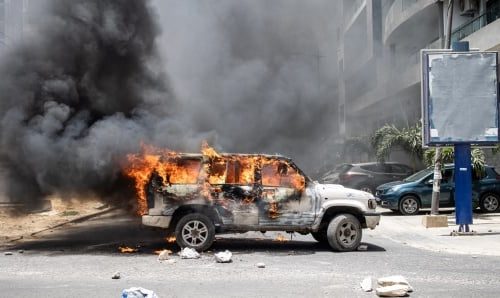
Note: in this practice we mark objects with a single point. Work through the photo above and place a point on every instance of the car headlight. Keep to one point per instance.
(393, 189)
(372, 204)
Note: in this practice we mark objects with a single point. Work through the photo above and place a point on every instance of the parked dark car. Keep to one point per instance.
(415, 192)
(367, 176)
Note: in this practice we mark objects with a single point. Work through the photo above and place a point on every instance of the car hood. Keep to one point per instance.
(337, 191)
(391, 184)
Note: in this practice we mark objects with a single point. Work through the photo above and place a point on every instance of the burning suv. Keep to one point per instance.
(195, 196)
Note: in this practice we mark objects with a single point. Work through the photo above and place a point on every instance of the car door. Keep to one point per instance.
(445, 194)
(447, 188)
(286, 198)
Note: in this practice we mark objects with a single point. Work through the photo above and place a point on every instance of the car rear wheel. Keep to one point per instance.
(409, 205)
(490, 202)
(195, 231)
(344, 233)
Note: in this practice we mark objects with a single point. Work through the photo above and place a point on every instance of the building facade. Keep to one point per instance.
(379, 54)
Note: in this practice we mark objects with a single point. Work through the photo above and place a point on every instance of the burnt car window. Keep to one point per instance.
(182, 171)
(217, 171)
(240, 172)
(279, 174)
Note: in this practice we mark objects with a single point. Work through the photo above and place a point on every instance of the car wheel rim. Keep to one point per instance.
(366, 189)
(195, 233)
(490, 203)
(347, 234)
(410, 205)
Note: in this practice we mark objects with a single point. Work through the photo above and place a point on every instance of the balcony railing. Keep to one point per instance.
(479, 22)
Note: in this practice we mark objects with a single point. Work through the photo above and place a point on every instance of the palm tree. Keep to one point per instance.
(448, 156)
(388, 137)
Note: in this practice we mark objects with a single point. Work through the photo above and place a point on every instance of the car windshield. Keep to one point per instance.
(418, 175)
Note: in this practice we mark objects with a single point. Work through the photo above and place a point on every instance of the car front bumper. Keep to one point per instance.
(388, 201)
(372, 220)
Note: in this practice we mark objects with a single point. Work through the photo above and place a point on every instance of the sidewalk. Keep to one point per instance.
(410, 231)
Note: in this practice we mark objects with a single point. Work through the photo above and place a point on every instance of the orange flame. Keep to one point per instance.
(170, 239)
(127, 250)
(273, 210)
(214, 169)
(157, 252)
(280, 238)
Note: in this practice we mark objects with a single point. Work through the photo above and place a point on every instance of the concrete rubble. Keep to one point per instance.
(392, 291)
(116, 275)
(367, 284)
(223, 256)
(189, 253)
(260, 265)
(362, 247)
(393, 286)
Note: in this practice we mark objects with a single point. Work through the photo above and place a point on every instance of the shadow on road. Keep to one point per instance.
(106, 236)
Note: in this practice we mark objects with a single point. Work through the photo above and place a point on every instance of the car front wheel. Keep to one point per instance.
(195, 231)
(409, 205)
(490, 202)
(344, 233)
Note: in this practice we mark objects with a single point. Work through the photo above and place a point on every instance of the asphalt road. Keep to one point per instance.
(79, 260)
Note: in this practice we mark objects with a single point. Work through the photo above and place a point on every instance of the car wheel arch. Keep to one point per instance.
(333, 211)
(195, 208)
(410, 194)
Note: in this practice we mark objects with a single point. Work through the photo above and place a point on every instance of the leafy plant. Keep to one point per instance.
(388, 137)
(448, 156)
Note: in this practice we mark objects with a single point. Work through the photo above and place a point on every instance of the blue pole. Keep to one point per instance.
(463, 185)
(463, 172)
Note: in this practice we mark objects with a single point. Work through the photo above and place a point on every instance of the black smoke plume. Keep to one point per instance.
(78, 95)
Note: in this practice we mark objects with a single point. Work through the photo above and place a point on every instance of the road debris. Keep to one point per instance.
(138, 292)
(116, 275)
(164, 255)
(260, 265)
(223, 256)
(8, 253)
(367, 284)
(363, 247)
(393, 286)
(20, 251)
(189, 253)
(393, 291)
(394, 280)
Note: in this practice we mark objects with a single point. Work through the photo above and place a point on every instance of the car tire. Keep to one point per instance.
(490, 202)
(195, 231)
(344, 233)
(409, 205)
(367, 189)
(320, 236)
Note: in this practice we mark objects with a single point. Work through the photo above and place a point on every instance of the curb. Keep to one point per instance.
(74, 220)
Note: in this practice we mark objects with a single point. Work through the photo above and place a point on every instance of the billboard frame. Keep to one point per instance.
(426, 138)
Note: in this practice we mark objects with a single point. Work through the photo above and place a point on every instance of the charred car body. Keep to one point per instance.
(196, 196)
